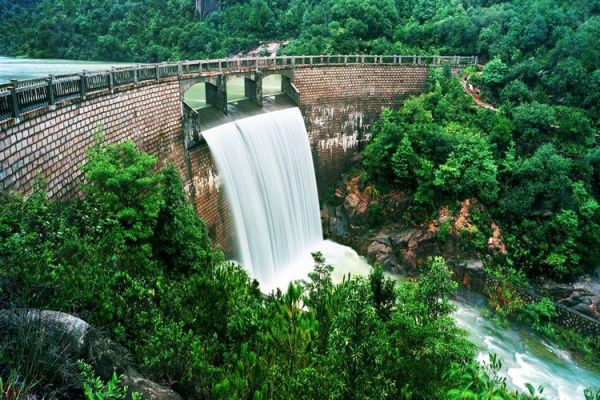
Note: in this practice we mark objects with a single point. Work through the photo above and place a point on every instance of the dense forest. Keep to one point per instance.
(133, 258)
(533, 165)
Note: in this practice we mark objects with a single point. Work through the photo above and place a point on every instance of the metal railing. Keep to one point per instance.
(20, 97)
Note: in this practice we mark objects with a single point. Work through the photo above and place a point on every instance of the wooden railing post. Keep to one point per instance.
(157, 73)
(135, 74)
(82, 85)
(179, 70)
(16, 112)
(51, 98)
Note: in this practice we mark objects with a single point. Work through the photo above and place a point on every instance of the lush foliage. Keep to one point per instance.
(133, 259)
(95, 389)
(531, 165)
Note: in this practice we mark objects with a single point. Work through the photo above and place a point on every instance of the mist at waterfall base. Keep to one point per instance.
(266, 168)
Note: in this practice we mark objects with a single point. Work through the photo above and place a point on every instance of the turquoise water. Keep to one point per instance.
(526, 357)
(24, 68)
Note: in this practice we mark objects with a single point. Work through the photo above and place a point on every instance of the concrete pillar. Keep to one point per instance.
(253, 88)
(216, 93)
(288, 88)
(191, 127)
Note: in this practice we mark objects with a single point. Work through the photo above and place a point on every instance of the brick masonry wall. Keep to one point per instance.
(208, 198)
(340, 103)
(53, 145)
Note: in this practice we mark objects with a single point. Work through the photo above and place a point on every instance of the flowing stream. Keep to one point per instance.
(526, 357)
(265, 164)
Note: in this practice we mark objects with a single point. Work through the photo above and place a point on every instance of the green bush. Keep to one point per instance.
(95, 389)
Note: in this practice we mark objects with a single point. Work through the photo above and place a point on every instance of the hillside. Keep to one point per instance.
(553, 45)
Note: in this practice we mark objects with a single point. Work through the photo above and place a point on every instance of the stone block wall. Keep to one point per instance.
(339, 104)
(479, 280)
(53, 144)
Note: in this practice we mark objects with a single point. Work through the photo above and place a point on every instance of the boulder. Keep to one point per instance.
(582, 295)
(403, 237)
(66, 331)
(339, 224)
(67, 339)
(474, 265)
(380, 252)
(357, 209)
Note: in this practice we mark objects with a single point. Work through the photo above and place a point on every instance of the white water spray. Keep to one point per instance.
(266, 167)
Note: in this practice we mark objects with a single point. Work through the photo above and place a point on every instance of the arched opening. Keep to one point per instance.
(195, 96)
(236, 89)
(271, 85)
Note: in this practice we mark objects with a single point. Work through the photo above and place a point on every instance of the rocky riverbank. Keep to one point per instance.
(375, 226)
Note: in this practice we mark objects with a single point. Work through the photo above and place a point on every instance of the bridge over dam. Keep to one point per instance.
(47, 124)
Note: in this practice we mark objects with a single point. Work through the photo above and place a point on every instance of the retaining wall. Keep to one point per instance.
(483, 282)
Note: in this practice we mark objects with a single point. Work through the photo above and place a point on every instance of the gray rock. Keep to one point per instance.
(70, 332)
(402, 237)
(339, 224)
(380, 252)
(74, 339)
(476, 265)
(583, 295)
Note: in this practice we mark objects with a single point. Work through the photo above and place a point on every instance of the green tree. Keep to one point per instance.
(470, 169)
(180, 239)
(121, 180)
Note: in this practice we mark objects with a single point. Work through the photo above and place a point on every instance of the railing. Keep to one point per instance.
(19, 97)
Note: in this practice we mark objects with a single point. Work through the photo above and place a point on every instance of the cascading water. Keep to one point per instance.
(266, 167)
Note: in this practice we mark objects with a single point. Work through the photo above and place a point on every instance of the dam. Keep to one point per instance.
(46, 124)
(255, 180)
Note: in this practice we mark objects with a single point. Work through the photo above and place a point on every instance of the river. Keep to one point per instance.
(526, 357)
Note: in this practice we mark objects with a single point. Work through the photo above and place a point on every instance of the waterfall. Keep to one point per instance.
(266, 167)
